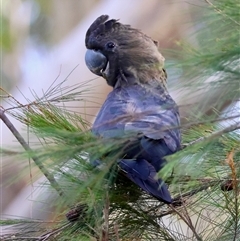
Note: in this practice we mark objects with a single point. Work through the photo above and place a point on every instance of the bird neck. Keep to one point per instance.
(156, 79)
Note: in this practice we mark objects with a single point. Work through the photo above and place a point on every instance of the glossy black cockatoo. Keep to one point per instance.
(139, 105)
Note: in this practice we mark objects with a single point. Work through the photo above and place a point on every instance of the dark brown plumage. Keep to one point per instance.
(139, 106)
(134, 55)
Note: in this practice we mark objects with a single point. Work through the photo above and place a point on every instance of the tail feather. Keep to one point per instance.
(144, 175)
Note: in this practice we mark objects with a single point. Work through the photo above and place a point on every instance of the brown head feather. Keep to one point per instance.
(135, 55)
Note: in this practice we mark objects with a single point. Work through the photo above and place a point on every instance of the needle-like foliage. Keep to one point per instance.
(203, 177)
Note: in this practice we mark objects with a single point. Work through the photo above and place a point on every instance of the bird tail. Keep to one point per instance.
(144, 175)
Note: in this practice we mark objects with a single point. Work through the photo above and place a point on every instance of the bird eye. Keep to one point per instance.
(110, 45)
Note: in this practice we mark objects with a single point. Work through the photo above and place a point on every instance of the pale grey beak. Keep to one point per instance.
(95, 61)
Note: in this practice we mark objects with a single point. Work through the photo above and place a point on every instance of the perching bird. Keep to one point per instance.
(139, 105)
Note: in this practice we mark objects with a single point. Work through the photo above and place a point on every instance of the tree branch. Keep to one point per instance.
(213, 135)
(36, 160)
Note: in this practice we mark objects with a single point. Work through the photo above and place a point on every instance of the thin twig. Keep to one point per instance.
(105, 230)
(221, 12)
(116, 231)
(8, 95)
(180, 198)
(186, 220)
(195, 191)
(24, 144)
(213, 135)
(190, 224)
(47, 235)
(20, 238)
